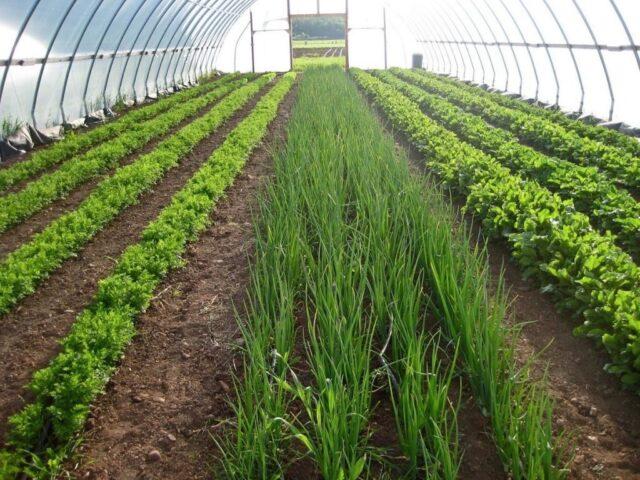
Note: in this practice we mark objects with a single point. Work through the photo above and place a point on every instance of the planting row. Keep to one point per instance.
(622, 166)
(44, 432)
(591, 190)
(598, 133)
(584, 270)
(23, 269)
(18, 206)
(75, 143)
(354, 259)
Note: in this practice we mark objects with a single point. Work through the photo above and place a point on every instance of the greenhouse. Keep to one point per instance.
(320, 239)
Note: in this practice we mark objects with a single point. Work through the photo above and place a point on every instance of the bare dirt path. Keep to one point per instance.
(602, 418)
(30, 333)
(159, 412)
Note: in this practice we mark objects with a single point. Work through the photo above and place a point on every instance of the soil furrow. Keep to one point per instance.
(600, 418)
(30, 333)
(21, 233)
(173, 384)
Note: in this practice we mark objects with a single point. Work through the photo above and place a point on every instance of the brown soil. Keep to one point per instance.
(30, 333)
(174, 382)
(600, 419)
(21, 233)
(81, 131)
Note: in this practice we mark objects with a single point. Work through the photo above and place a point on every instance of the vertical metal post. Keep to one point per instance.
(626, 30)
(604, 64)
(346, 34)
(384, 29)
(571, 52)
(291, 31)
(253, 47)
(63, 19)
(73, 57)
(15, 45)
(544, 41)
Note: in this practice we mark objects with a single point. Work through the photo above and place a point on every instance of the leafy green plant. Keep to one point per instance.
(15, 207)
(610, 208)
(598, 133)
(548, 136)
(64, 390)
(77, 142)
(22, 270)
(520, 412)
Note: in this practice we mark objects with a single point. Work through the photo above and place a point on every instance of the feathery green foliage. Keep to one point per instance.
(76, 142)
(23, 269)
(65, 389)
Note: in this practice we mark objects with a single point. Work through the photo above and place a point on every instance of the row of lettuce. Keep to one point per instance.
(621, 164)
(43, 433)
(610, 208)
(22, 270)
(17, 206)
(581, 128)
(358, 263)
(585, 271)
(76, 143)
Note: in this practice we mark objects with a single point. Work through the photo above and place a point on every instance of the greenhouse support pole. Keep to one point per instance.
(486, 48)
(184, 39)
(253, 46)
(291, 31)
(73, 57)
(524, 41)
(225, 32)
(170, 24)
(145, 52)
(184, 29)
(544, 41)
(384, 30)
(46, 57)
(604, 64)
(206, 38)
(634, 47)
(15, 45)
(113, 58)
(495, 40)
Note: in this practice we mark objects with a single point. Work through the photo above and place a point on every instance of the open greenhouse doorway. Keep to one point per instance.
(318, 39)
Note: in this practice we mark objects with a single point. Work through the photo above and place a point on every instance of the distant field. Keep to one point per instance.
(302, 63)
(317, 43)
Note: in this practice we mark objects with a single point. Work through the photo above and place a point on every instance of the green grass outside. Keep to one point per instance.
(318, 44)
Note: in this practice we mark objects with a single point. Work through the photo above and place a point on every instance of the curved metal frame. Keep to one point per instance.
(113, 59)
(549, 56)
(184, 27)
(170, 4)
(170, 23)
(73, 57)
(533, 63)
(513, 52)
(604, 64)
(20, 32)
(46, 57)
(203, 24)
(571, 52)
(187, 36)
